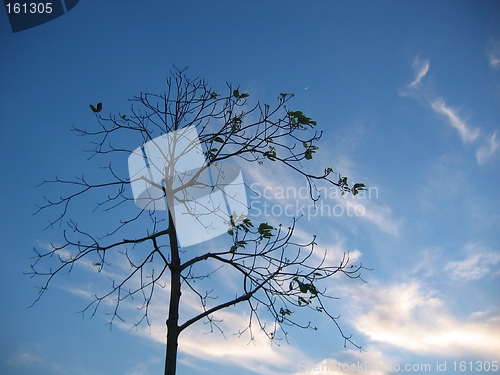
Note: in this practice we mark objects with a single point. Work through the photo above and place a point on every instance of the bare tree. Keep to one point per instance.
(278, 275)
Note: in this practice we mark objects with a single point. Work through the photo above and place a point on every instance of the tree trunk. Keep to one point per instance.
(175, 296)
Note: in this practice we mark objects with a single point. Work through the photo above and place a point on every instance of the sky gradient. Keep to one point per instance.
(407, 95)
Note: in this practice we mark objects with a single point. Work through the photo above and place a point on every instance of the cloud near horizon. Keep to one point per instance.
(404, 318)
(408, 317)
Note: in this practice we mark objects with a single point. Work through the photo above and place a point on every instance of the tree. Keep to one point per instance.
(278, 275)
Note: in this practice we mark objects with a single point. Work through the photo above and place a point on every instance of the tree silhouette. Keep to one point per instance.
(278, 275)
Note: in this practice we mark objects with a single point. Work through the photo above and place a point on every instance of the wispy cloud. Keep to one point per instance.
(230, 347)
(32, 358)
(143, 368)
(480, 315)
(379, 215)
(476, 265)
(485, 152)
(466, 132)
(25, 358)
(493, 53)
(421, 67)
(259, 356)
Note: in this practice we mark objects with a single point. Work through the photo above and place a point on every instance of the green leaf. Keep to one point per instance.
(248, 222)
(241, 244)
(285, 312)
(218, 139)
(236, 93)
(99, 107)
(271, 154)
(265, 230)
(357, 188)
(96, 109)
(230, 231)
(309, 154)
(299, 119)
(303, 288)
(304, 301)
(235, 123)
(246, 225)
(313, 290)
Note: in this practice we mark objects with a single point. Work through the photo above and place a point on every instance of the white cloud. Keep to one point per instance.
(494, 54)
(487, 151)
(480, 315)
(260, 358)
(495, 61)
(229, 348)
(475, 266)
(407, 317)
(467, 133)
(421, 67)
(26, 358)
(143, 368)
(32, 358)
(379, 215)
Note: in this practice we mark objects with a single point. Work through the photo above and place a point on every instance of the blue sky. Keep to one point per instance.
(407, 94)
